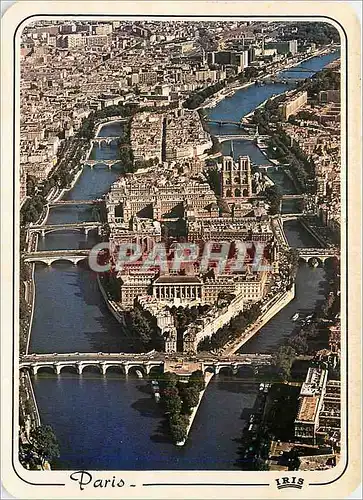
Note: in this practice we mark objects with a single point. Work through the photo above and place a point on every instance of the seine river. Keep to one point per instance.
(112, 423)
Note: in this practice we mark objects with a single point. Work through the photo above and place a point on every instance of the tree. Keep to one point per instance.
(274, 197)
(197, 380)
(213, 179)
(283, 360)
(299, 343)
(172, 401)
(190, 397)
(170, 379)
(178, 432)
(261, 465)
(45, 443)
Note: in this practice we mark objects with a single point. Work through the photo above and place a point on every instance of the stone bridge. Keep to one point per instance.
(321, 254)
(293, 196)
(104, 141)
(76, 202)
(287, 217)
(268, 167)
(50, 228)
(124, 362)
(233, 365)
(108, 163)
(239, 124)
(49, 256)
(235, 137)
(80, 362)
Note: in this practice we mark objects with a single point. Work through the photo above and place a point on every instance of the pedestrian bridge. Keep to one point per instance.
(145, 363)
(50, 228)
(49, 256)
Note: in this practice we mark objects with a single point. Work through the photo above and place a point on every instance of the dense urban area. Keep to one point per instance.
(129, 141)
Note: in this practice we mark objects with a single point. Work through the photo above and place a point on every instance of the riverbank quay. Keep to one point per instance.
(30, 299)
(28, 407)
(273, 307)
(207, 379)
(114, 308)
(27, 299)
(278, 229)
(29, 422)
(58, 196)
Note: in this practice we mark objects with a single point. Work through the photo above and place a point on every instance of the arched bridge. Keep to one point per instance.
(49, 256)
(321, 254)
(50, 228)
(235, 137)
(104, 141)
(287, 217)
(76, 202)
(145, 363)
(79, 362)
(234, 365)
(108, 163)
(239, 124)
(293, 196)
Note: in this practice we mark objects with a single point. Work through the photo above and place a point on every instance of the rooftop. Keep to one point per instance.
(185, 280)
(308, 408)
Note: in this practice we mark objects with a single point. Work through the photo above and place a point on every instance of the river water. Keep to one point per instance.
(111, 422)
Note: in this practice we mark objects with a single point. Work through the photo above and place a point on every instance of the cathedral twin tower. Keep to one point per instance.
(236, 178)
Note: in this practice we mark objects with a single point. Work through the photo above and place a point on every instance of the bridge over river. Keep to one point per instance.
(50, 256)
(61, 203)
(145, 363)
(235, 137)
(72, 226)
(320, 254)
(75, 256)
(104, 141)
(108, 163)
(249, 128)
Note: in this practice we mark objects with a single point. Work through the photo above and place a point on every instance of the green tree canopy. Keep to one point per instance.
(274, 197)
(45, 443)
(190, 396)
(283, 360)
